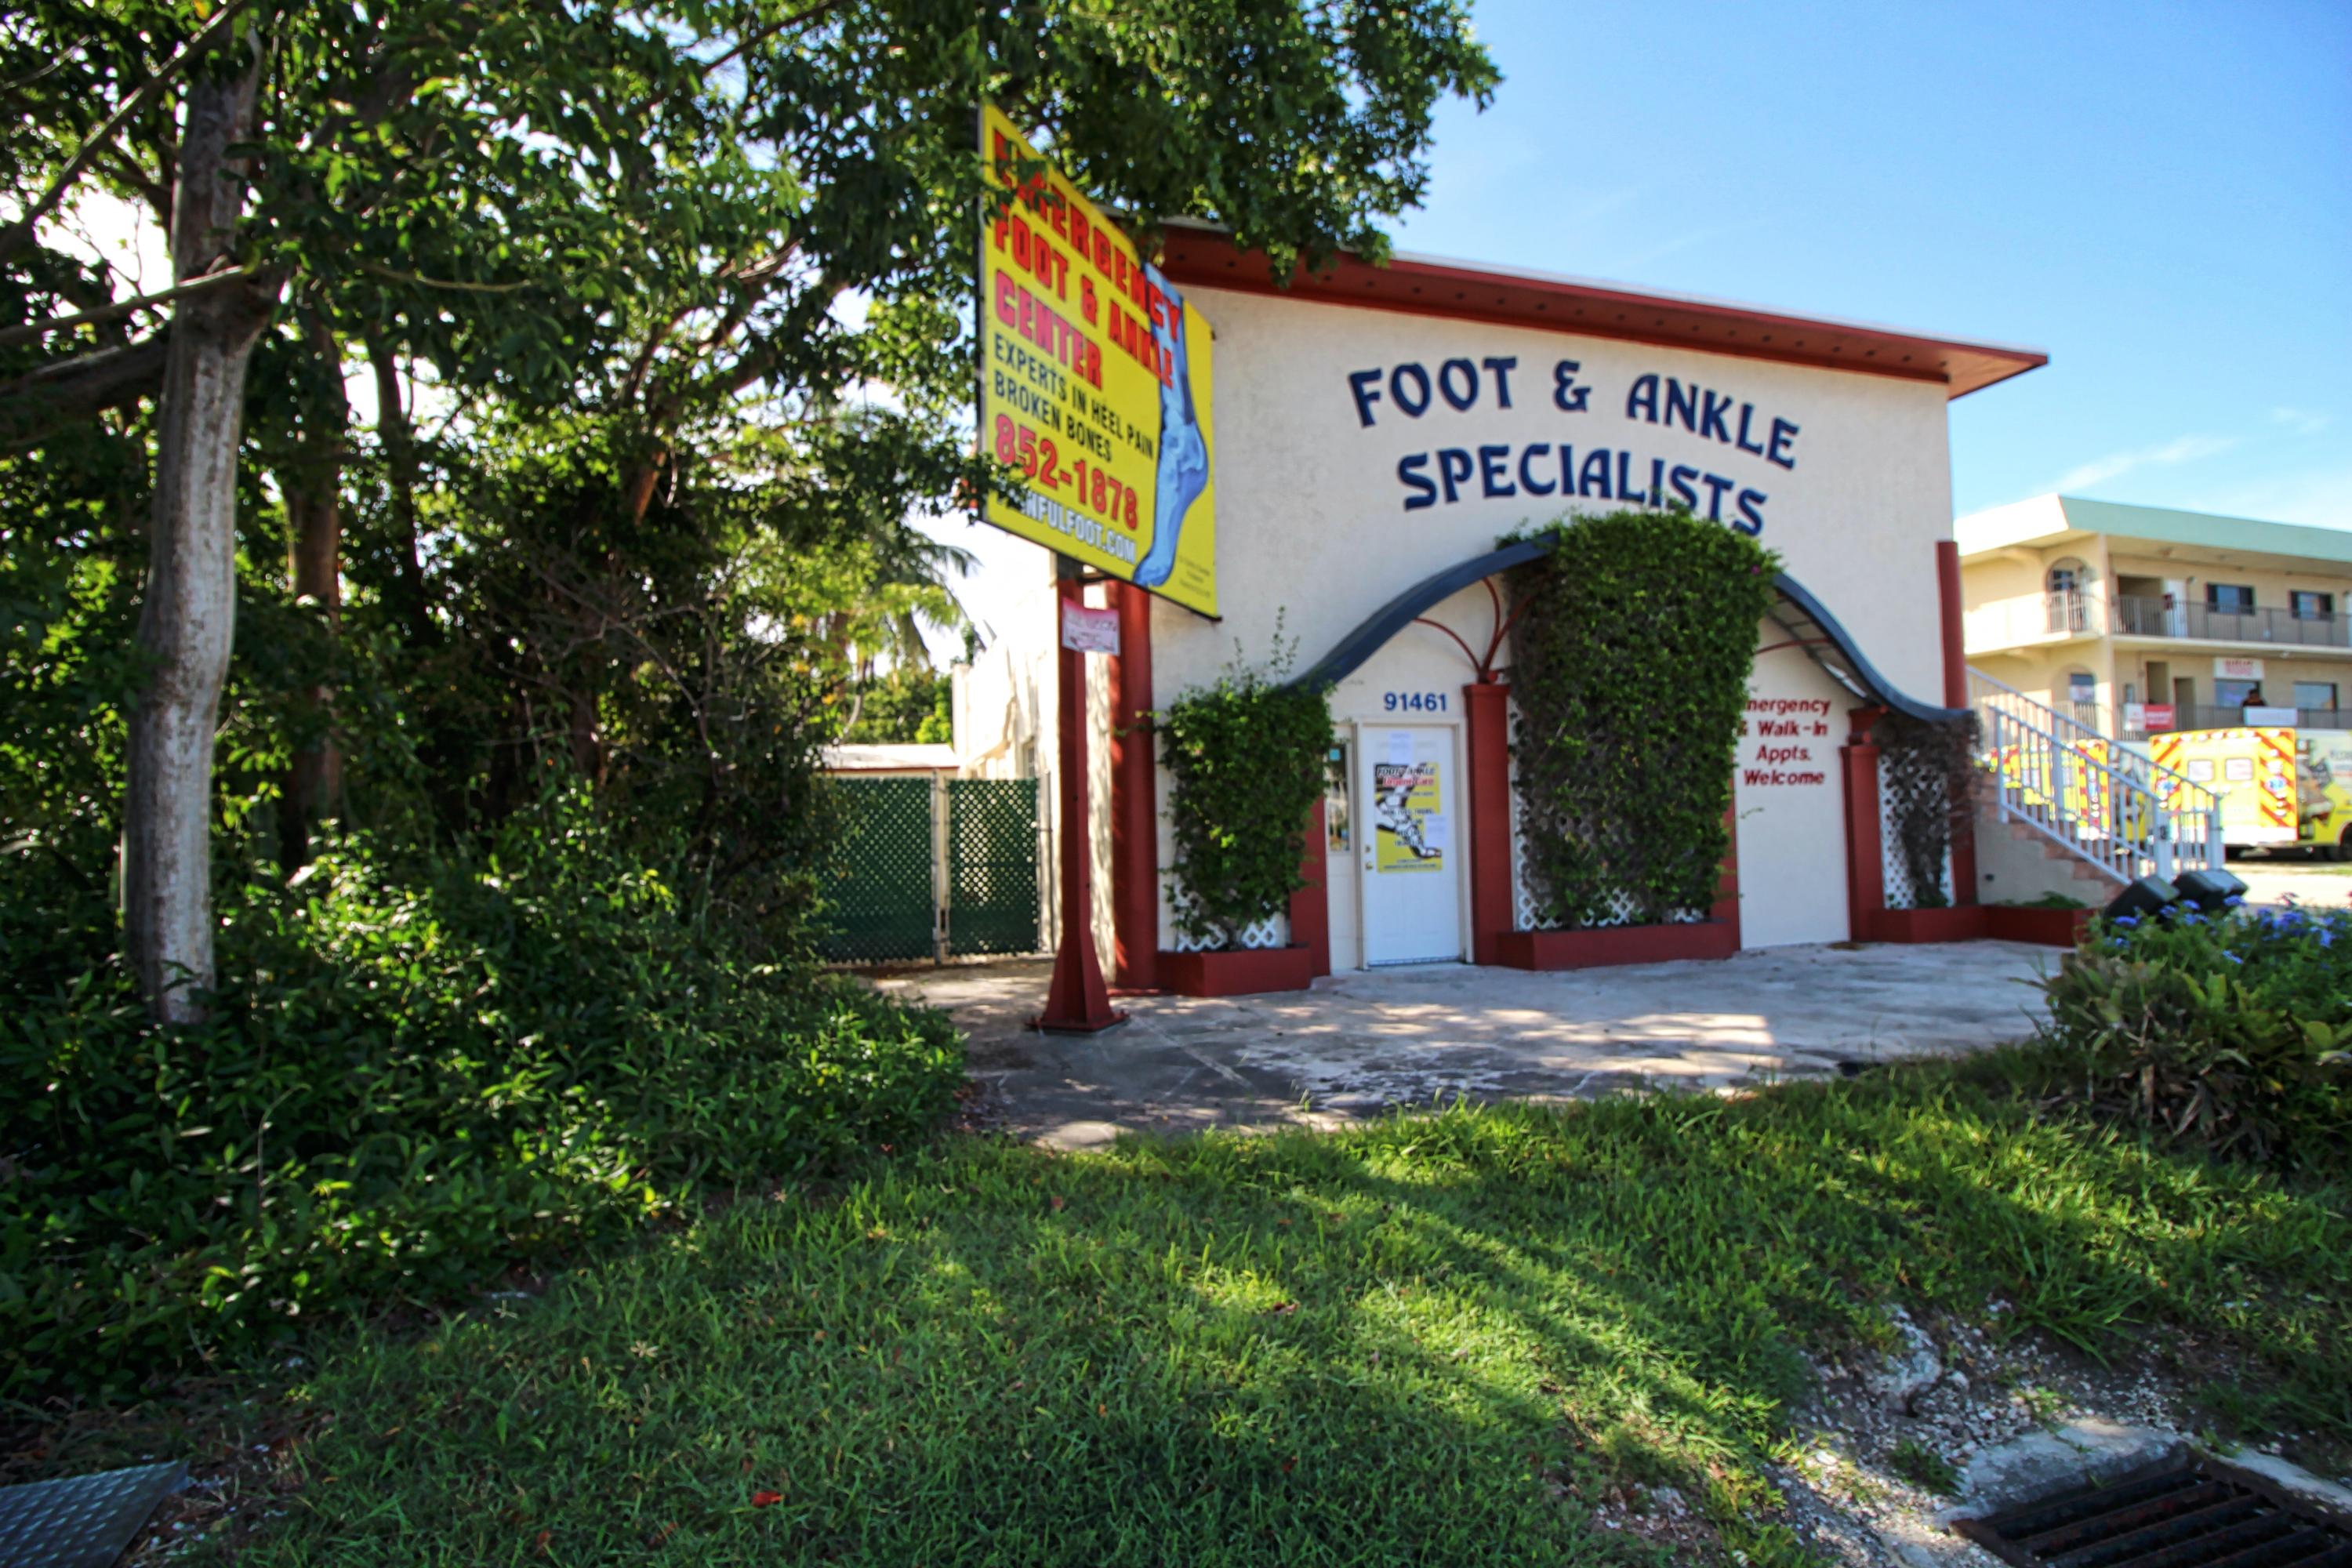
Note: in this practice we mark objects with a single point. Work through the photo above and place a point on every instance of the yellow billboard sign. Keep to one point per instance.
(1093, 384)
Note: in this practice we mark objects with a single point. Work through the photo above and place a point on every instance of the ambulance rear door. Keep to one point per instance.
(2253, 771)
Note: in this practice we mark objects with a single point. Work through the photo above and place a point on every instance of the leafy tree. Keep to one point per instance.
(909, 705)
(683, 284)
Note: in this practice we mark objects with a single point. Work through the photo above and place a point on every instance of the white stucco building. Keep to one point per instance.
(1377, 430)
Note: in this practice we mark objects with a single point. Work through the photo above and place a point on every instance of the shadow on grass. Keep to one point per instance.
(1433, 1339)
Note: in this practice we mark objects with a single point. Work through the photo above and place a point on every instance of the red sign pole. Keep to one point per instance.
(1076, 1003)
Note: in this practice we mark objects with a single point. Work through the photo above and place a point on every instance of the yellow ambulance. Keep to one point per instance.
(2280, 787)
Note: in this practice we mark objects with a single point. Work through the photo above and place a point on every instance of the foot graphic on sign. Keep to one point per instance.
(1183, 451)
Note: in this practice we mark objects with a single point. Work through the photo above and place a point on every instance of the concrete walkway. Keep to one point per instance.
(2313, 884)
(1359, 1044)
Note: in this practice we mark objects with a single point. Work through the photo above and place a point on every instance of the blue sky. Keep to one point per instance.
(2160, 196)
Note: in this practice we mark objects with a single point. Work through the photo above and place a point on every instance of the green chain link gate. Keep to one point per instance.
(885, 907)
(992, 865)
(887, 904)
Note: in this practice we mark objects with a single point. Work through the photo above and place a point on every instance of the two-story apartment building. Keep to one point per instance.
(2139, 619)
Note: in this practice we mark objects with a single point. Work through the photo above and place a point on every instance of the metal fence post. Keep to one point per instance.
(941, 912)
(1049, 905)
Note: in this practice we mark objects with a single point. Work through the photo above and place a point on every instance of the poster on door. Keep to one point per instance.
(1408, 818)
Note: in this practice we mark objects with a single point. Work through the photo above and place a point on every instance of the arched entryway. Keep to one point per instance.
(1453, 748)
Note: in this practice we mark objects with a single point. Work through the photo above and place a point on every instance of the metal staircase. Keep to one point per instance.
(2111, 809)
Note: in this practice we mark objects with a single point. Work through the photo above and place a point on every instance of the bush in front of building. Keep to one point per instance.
(1246, 757)
(1630, 649)
(2234, 1029)
(417, 1075)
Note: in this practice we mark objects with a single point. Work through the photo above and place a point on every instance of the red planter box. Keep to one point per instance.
(2051, 928)
(1971, 922)
(1245, 972)
(1968, 922)
(1615, 944)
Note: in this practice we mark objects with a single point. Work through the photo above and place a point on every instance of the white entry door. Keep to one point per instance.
(1411, 844)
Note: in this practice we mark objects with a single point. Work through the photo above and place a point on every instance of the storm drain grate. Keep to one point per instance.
(2182, 1514)
(83, 1521)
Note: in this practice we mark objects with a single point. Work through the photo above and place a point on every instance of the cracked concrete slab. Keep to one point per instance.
(1363, 1043)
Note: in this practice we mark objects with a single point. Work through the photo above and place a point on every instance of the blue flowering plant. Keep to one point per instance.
(2232, 1028)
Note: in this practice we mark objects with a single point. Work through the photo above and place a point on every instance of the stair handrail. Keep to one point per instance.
(2043, 796)
(2049, 744)
(2043, 716)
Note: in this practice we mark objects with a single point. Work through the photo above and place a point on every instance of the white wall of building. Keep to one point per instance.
(1789, 802)
(1311, 516)
(1313, 527)
(1314, 534)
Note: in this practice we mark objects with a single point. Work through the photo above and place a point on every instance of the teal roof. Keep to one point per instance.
(2052, 517)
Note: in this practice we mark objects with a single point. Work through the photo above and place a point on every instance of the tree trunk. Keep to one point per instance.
(587, 750)
(400, 477)
(313, 483)
(188, 614)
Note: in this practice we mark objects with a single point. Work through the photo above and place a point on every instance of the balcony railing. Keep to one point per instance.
(2041, 617)
(2147, 618)
(2204, 716)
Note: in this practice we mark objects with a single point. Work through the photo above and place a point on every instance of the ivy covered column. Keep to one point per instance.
(1865, 865)
(1488, 705)
(1246, 759)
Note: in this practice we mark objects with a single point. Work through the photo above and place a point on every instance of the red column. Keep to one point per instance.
(1865, 871)
(1956, 695)
(1310, 906)
(1077, 1002)
(1488, 704)
(1134, 799)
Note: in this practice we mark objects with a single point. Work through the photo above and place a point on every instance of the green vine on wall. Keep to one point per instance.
(1245, 758)
(1631, 653)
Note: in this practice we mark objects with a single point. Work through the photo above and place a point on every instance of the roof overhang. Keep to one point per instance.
(1204, 257)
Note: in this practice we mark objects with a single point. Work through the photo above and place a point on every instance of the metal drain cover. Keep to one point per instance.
(81, 1522)
(2193, 1513)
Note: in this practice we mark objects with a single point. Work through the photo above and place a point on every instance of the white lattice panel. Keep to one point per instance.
(1894, 869)
(1272, 931)
(1527, 902)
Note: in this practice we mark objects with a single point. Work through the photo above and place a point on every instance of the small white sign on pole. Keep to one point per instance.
(1086, 629)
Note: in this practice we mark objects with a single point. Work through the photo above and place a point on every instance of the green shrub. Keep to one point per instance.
(407, 1086)
(2234, 1030)
(1246, 757)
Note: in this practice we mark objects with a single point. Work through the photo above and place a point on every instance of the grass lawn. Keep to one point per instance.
(1425, 1341)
